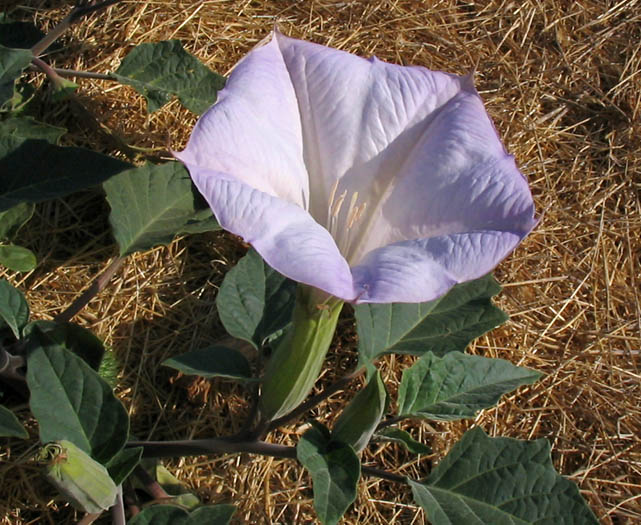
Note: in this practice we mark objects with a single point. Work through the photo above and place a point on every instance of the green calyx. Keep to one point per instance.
(296, 363)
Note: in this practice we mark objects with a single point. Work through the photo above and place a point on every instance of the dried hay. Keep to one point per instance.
(562, 81)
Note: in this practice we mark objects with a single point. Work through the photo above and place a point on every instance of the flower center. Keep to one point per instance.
(340, 220)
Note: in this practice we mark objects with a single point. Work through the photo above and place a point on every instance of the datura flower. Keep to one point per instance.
(373, 182)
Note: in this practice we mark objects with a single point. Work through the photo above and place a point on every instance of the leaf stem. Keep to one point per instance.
(152, 487)
(196, 447)
(389, 422)
(315, 400)
(81, 74)
(88, 519)
(76, 14)
(378, 473)
(96, 287)
(118, 510)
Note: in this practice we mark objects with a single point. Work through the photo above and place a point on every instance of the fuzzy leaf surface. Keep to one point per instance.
(335, 469)
(71, 401)
(12, 63)
(255, 301)
(163, 69)
(214, 361)
(457, 385)
(14, 310)
(152, 204)
(443, 325)
(10, 426)
(501, 481)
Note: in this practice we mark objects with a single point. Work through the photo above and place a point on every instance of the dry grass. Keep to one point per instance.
(562, 81)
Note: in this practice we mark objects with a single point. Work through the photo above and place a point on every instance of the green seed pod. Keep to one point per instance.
(82, 480)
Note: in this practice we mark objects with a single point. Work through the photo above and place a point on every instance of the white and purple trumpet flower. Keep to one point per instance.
(373, 182)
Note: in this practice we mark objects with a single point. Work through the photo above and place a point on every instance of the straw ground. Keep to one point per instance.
(562, 82)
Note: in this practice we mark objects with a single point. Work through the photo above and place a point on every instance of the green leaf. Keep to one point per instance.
(14, 310)
(71, 401)
(213, 361)
(63, 89)
(163, 69)
(73, 337)
(174, 515)
(401, 436)
(23, 128)
(443, 325)
(10, 426)
(335, 470)
(23, 35)
(14, 218)
(152, 204)
(360, 417)
(17, 258)
(501, 481)
(172, 485)
(255, 301)
(12, 63)
(34, 170)
(457, 386)
(123, 463)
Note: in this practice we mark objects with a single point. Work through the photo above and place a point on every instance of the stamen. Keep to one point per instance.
(338, 204)
(332, 196)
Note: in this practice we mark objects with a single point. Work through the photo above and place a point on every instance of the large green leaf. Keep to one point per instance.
(359, 419)
(73, 337)
(163, 69)
(255, 301)
(214, 361)
(34, 170)
(443, 325)
(14, 310)
(24, 128)
(174, 515)
(500, 481)
(10, 426)
(335, 470)
(17, 258)
(12, 63)
(457, 385)
(71, 401)
(152, 204)
(123, 463)
(14, 218)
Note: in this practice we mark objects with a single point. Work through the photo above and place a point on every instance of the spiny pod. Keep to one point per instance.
(83, 481)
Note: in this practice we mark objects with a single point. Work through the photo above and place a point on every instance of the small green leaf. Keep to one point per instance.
(12, 63)
(457, 386)
(152, 204)
(255, 301)
(172, 485)
(10, 426)
(501, 481)
(14, 218)
(123, 463)
(71, 401)
(443, 325)
(24, 128)
(401, 436)
(214, 361)
(73, 337)
(14, 310)
(63, 89)
(360, 417)
(335, 470)
(83, 481)
(174, 515)
(35, 170)
(17, 258)
(163, 69)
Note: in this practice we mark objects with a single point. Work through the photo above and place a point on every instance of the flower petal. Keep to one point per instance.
(360, 118)
(253, 132)
(283, 233)
(423, 270)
